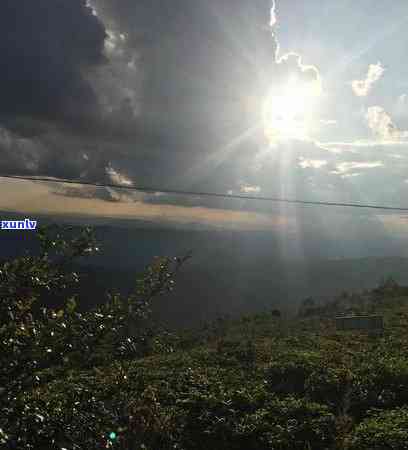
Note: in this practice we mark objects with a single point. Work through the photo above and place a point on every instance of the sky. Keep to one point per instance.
(295, 99)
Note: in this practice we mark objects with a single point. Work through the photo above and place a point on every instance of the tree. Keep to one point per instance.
(38, 343)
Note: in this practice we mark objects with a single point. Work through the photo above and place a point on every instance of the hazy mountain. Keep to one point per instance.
(230, 272)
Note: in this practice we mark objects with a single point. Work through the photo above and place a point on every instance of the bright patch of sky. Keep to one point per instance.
(359, 49)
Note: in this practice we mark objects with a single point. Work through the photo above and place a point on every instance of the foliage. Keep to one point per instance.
(388, 429)
(111, 378)
(245, 418)
(39, 344)
(289, 372)
(382, 382)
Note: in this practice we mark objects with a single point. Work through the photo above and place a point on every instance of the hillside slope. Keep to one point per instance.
(261, 382)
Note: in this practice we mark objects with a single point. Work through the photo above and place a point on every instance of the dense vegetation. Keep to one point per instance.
(112, 378)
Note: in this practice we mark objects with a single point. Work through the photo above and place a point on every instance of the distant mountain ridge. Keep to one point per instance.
(230, 272)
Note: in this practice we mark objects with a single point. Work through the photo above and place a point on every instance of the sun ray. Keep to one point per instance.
(214, 160)
(364, 48)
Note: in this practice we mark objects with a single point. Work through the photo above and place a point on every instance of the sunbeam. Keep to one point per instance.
(210, 163)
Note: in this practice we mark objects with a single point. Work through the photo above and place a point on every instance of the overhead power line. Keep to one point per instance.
(153, 190)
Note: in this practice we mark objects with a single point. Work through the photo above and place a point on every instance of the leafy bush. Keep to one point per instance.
(289, 372)
(250, 419)
(381, 382)
(40, 344)
(330, 385)
(388, 429)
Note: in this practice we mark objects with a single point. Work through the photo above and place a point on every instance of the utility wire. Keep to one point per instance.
(203, 194)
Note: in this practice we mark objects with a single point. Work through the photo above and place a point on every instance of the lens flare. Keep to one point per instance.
(112, 436)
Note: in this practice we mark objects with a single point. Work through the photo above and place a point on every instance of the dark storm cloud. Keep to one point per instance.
(45, 46)
(201, 63)
(67, 63)
(165, 92)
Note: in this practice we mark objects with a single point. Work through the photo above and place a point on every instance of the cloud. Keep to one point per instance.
(328, 121)
(306, 163)
(35, 198)
(46, 49)
(382, 125)
(114, 42)
(273, 18)
(49, 106)
(97, 193)
(118, 178)
(70, 89)
(362, 88)
(344, 167)
(143, 86)
(351, 175)
(19, 152)
(295, 83)
(143, 91)
(352, 146)
(292, 62)
(91, 7)
(247, 189)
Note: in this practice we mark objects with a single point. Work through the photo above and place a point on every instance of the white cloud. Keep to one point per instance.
(288, 107)
(294, 59)
(345, 167)
(328, 121)
(247, 189)
(305, 163)
(114, 43)
(89, 5)
(118, 178)
(307, 86)
(124, 197)
(382, 125)
(306, 69)
(335, 147)
(273, 19)
(362, 87)
(351, 175)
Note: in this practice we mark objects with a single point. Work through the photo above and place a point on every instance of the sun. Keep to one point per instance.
(288, 114)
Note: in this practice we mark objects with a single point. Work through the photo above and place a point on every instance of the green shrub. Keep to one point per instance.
(330, 385)
(249, 419)
(289, 372)
(380, 383)
(387, 430)
(39, 345)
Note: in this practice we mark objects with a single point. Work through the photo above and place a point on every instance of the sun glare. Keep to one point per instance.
(289, 113)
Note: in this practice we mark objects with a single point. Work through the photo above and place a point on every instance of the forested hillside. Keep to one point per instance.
(112, 378)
